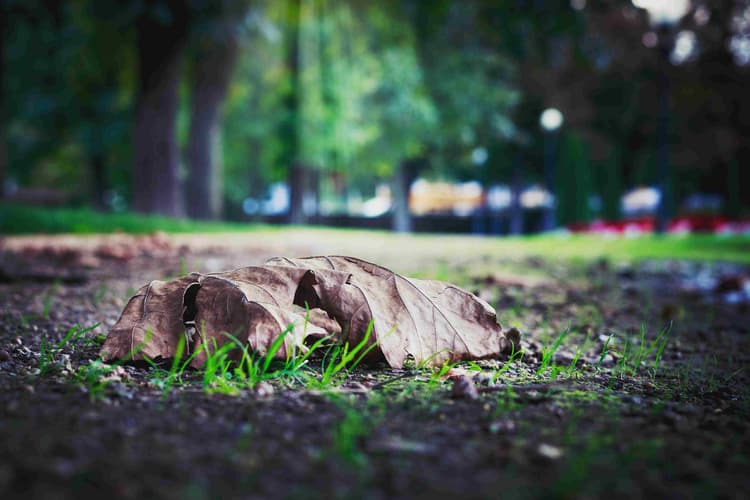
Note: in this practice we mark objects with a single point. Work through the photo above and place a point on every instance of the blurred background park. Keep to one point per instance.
(473, 116)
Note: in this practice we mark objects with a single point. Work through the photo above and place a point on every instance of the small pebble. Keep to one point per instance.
(4, 355)
(464, 388)
(514, 338)
(263, 389)
(502, 426)
(549, 451)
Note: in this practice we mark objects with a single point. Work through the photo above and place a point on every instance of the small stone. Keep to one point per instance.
(28, 388)
(607, 361)
(485, 378)
(549, 451)
(505, 426)
(66, 364)
(464, 388)
(514, 341)
(18, 340)
(357, 387)
(563, 358)
(4, 355)
(263, 389)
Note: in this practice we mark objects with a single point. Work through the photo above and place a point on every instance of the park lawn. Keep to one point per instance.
(18, 220)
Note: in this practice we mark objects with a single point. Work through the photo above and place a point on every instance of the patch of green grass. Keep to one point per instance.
(635, 355)
(438, 375)
(49, 353)
(340, 359)
(93, 377)
(48, 298)
(516, 356)
(360, 417)
(348, 435)
(165, 380)
(18, 219)
(590, 247)
(506, 402)
(572, 369)
(231, 367)
(222, 374)
(217, 372)
(549, 351)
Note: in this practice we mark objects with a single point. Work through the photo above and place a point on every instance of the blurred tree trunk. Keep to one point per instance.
(214, 63)
(406, 172)
(516, 188)
(733, 206)
(296, 177)
(3, 149)
(160, 47)
(612, 188)
(99, 181)
(296, 180)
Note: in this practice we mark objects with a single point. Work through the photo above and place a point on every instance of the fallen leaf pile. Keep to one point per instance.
(342, 297)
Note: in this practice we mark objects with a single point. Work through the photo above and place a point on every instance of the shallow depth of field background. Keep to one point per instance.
(476, 117)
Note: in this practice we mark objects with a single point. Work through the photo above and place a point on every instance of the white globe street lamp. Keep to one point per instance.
(550, 120)
(664, 16)
(664, 12)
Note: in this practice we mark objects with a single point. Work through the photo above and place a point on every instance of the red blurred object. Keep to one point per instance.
(687, 224)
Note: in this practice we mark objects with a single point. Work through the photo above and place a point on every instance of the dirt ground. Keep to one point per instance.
(627, 406)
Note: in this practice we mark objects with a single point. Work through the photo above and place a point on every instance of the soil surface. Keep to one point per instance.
(632, 382)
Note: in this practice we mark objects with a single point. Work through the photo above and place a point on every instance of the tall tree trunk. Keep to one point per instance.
(296, 178)
(297, 182)
(214, 64)
(3, 149)
(99, 180)
(156, 185)
(516, 211)
(612, 189)
(406, 172)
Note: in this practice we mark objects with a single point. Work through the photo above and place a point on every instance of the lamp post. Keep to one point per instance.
(663, 16)
(551, 120)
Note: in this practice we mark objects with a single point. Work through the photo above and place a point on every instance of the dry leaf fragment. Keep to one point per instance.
(151, 323)
(433, 321)
(254, 305)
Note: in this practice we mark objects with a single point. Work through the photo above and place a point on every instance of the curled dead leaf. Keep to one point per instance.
(345, 298)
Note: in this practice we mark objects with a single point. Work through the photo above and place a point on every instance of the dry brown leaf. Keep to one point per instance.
(254, 304)
(429, 321)
(151, 323)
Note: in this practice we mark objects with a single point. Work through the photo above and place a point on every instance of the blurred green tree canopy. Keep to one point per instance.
(193, 106)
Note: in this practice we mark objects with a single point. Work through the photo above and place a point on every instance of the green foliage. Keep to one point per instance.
(375, 83)
(93, 376)
(574, 183)
(340, 359)
(348, 435)
(549, 351)
(635, 355)
(166, 379)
